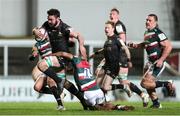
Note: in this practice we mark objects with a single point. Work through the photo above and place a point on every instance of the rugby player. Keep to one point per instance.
(158, 47)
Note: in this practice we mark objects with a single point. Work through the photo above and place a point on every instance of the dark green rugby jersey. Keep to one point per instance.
(154, 49)
(83, 76)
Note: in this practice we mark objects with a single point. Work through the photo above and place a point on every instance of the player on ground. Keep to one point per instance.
(87, 83)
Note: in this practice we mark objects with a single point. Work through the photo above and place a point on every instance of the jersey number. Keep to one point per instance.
(87, 73)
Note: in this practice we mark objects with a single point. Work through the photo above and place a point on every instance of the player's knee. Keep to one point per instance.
(37, 88)
(144, 84)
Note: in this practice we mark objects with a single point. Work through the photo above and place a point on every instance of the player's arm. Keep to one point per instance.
(139, 45)
(121, 32)
(126, 49)
(122, 36)
(127, 53)
(34, 53)
(96, 53)
(80, 39)
(167, 47)
(63, 54)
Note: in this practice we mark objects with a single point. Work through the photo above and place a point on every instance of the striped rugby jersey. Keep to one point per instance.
(154, 49)
(44, 48)
(83, 76)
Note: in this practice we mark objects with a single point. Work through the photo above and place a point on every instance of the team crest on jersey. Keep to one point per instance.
(109, 41)
(60, 34)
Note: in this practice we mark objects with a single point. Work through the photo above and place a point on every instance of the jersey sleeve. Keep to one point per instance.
(161, 36)
(67, 28)
(119, 29)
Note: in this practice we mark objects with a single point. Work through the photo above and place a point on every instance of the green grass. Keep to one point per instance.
(39, 108)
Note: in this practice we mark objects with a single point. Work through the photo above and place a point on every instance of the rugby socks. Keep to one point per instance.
(52, 74)
(161, 84)
(117, 86)
(135, 89)
(156, 102)
(56, 94)
(45, 90)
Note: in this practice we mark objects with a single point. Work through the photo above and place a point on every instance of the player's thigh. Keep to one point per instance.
(107, 81)
(148, 81)
(40, 83)
(100, 76)
(36, 73)
(50, 61)
(50, 82)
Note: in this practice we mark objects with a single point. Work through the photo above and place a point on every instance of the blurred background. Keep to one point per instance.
(18, 17)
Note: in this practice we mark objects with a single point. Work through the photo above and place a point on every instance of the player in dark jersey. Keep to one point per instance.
(59, 36)
(87, 83)
(120, 30)
(158, 47)
(112, 51)
(43, 48)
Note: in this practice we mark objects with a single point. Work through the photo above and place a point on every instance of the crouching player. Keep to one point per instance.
(86, 83)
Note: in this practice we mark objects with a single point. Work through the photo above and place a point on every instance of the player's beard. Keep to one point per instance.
(53, 25)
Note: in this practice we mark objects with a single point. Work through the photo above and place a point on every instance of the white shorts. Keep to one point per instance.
(94, 97)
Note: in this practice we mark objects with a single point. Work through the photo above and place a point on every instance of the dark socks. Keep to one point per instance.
(56, 94)
(156, 102)
(135, 89)
(161, 84)
(52, 74)
(117, 86)
(45, 90)
(73, 90)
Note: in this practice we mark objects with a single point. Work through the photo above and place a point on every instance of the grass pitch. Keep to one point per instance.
(73, 108)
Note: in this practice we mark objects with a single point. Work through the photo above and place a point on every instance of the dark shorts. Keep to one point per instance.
(155, 71)
(123, 60)
(112, 70)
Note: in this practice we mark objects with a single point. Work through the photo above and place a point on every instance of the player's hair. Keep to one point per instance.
(115, 9)
(54, 12)
(154, 15)
(111, 23)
